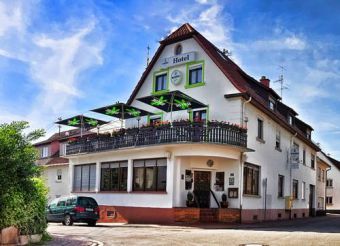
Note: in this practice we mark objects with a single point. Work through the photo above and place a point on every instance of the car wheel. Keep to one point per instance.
(92, 223)
(67, 220)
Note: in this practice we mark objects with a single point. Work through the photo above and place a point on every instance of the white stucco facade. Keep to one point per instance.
(56, 188)
(228, 159)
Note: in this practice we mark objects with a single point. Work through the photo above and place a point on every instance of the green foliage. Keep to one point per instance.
(22, 193)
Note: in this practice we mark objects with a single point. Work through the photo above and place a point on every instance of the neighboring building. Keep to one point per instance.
(322, 169)
(333, 187)
(55, 166)
(145, 175)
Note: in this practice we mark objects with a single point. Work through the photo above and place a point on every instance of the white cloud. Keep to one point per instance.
(291, 42)
(55, 61)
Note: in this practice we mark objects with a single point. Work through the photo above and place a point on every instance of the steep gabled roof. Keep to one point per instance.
(240, 79)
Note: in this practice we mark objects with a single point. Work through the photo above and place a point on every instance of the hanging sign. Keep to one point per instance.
(176, 77)
(177, 60)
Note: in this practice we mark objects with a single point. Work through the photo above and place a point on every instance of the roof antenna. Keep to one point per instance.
(148, 55)
(227, 53)
(281, 81)
(59, 126)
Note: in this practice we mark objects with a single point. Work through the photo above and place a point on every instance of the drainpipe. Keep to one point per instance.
(241, 185)
(324, 200)
(290, 173)
(243, 110)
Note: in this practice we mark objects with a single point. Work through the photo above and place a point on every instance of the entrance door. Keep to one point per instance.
(202, 188)
(311, 200)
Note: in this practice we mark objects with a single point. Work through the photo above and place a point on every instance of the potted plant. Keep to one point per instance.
(224, 202)
(181, 123)
(190, 200)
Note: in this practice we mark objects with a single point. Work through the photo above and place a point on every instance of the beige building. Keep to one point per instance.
(323, 165)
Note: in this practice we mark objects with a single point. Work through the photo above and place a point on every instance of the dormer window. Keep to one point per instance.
(290, 120)
(308, 134)
(271, 104)
(178, 49)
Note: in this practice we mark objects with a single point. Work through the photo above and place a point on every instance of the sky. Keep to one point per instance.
(59, 58)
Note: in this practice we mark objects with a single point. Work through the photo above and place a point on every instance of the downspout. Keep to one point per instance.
(290, 174)
(324, 201)
(241, 159)
(243, 110)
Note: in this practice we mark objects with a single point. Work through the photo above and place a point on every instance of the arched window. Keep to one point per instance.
(178, 49)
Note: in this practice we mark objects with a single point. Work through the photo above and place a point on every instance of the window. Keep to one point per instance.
(304, 156)
(329, 200)
(195, 75)
(319, 174)
(59, 175)
(272, 104)
(251, 178)
(260, 129)
(114, 176)
(308, 134)
(278, 140)
(154, 119)
(329, 183)
(178, 49)
(312, 161)
(290, 120)
(323, 175)
(149, 175)
(44, 152)
(219, 184)
(303, 190)
(161, 82)
(84, 177)
(281, 184)
(295, 188)
(199, 115)
(62, 149)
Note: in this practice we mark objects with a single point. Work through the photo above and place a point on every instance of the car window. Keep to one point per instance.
(61, 203)
(53, 203)
(71, 201)
(87, 202)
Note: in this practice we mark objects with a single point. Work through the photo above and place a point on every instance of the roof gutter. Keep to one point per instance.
(243, 111)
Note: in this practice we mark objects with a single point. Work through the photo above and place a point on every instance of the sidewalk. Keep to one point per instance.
(62, 240)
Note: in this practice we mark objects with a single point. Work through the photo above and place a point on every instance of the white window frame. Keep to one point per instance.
(303, 190)
(62, 149)
(59, 176)
(44, 152)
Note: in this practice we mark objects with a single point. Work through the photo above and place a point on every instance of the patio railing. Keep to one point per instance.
(219, 134)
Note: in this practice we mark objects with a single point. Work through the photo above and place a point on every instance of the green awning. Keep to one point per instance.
(81, 121)
(121, 111)
(172, 101)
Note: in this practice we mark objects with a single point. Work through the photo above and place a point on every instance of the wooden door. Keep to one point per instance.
(202, 188)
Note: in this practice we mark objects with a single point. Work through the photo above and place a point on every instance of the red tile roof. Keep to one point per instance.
(241, 80)
(63, 136)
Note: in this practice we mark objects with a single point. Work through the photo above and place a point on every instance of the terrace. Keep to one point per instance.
(176, 133)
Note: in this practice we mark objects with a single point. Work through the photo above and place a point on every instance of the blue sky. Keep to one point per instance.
(60, 58)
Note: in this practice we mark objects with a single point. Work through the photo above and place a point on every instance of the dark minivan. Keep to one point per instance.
(73, 209)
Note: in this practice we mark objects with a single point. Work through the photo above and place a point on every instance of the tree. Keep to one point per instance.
(22, 194)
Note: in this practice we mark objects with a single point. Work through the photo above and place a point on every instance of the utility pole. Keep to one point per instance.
(59, 126)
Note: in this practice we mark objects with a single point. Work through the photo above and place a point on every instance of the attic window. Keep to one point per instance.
(272, 104)
(178, 49)
(308, 134)
(290, 120)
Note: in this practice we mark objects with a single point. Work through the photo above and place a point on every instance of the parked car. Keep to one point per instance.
(73, 209)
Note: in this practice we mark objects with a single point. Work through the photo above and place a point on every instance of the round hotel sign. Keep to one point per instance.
(176, 77)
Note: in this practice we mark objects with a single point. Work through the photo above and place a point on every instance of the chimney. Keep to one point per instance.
(265, 81)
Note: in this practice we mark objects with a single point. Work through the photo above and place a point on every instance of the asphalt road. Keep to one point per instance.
(312, 231)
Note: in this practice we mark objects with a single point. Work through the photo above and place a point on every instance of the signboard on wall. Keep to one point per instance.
(177, 60)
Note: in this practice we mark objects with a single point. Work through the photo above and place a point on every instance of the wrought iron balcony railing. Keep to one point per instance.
(187, 133)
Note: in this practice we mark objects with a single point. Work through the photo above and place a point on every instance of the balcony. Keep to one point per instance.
(178, 132)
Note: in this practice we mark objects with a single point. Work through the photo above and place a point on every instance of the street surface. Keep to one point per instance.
(312, 231)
